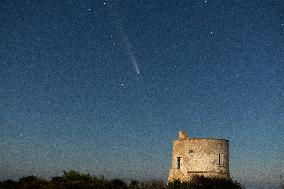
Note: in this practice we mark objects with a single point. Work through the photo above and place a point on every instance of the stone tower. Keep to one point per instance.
(199, 156)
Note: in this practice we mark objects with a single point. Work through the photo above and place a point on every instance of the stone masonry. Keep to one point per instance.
(199, 156)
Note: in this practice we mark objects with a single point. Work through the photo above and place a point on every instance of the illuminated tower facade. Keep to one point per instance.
(199, 156)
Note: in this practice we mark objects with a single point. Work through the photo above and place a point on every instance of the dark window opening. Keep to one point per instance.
(190, 151)
(178, 162)
(220, 159)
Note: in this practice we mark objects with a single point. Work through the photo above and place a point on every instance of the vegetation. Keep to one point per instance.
(201, 182)
(75, 180)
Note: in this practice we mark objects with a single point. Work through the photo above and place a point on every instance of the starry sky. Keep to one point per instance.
(104, 86)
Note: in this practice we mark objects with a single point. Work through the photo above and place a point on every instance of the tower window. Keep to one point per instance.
(220, 159)
(190, 151)
(178, 162)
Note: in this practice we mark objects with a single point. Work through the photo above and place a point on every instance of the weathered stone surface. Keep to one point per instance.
(199, 156)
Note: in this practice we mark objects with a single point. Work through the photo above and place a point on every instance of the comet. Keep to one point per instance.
(126, 42)
(128, 47)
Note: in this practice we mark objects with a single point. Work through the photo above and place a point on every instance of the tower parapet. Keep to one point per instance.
(182, 135)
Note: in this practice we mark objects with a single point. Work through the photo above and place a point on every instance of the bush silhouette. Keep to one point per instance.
(76, 180)
(134, 184)
(117, 184)
(9, 184)
(201, 182)
(32, 182)
(153, 184)
(76, 176)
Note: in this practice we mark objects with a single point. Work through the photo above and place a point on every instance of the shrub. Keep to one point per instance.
(9, 184)
(75, 180)
(117, 184)
(76, 176)
(201, 182)
(134, 184)
(154, 184)
(31, 182)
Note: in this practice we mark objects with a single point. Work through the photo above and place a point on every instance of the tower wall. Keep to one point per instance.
(199, 156)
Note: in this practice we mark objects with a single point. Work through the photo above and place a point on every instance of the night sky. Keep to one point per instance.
(104, 86)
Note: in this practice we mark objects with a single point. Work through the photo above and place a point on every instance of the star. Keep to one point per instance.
(89, 9)
(122, 84)
(205, 1)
